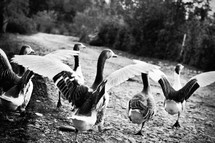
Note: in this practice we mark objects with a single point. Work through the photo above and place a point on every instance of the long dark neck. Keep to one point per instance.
(100, 69)
(145, 79)
(76, 63)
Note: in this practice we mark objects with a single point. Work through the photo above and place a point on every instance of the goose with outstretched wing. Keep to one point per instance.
(88, 102)
(175, 98)
(16, 89)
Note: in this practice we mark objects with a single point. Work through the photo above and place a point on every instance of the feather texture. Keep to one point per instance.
(42, 65)
(62, 55)
(123, 74)
(205, 78)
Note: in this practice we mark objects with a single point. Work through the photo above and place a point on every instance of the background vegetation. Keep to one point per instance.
(152, 28)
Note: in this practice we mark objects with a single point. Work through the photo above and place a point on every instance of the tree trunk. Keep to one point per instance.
(3, 19)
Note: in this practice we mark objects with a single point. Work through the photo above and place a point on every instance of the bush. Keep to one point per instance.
(45, 21)
(115, 34)
(21, 25)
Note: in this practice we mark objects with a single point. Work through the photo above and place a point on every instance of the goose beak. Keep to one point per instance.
(83, 46)
(32, 52)
(114, 55)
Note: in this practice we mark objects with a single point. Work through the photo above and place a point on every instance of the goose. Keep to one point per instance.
(15, 90)
(175, 99)
(88, 102)
(77, 69)
(141, 107)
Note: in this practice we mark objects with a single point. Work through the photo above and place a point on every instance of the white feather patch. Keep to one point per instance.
(127, 72)
(142, 62)
(44, 66)
(62, 55)
(205, 78)
(156, 75)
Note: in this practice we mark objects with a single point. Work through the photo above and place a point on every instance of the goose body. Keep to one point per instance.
(141, 107)
(175, 99)
(87, 101)
(77, 69)
(16, 90)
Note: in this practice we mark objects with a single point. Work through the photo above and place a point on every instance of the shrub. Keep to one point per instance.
(21, 25)
(115, 34)
(45, 21)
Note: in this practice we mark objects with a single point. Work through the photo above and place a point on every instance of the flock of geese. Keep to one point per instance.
(90, 103)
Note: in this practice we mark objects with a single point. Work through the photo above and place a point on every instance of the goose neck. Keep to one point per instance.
(177, 78)
(100, 68)
(76, 62)
(146, 86)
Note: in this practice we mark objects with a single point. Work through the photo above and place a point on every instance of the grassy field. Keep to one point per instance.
(198, 120)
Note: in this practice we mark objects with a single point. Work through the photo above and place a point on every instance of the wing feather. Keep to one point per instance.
(127, 72)
(42, 65)
(62, 55)
(205, 78)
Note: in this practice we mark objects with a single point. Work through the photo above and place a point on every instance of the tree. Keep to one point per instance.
(3, 18)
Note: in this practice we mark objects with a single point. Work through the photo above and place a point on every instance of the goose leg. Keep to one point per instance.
(177, 125)
(76, 134)
(100, 121)
(140, 131)
(59, 104)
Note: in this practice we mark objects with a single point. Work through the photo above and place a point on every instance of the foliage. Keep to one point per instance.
(152, 28)
(156, 29)
(21, 25)
(45, 21)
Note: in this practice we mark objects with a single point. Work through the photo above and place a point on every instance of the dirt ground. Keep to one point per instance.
(40, 124)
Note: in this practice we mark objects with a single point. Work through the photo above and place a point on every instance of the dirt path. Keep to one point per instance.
(198, 121)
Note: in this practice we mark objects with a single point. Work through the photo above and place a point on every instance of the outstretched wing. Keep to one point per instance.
(200, 80)
(62, 75)
(205, 78)
(44, 66)
(127, 72)
(62, 55)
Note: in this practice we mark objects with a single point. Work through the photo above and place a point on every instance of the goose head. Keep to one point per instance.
(26, 50)
(178, 68)
(78, 46)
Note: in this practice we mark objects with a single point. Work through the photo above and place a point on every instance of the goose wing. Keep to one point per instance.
(158, 76)
(200, 80)
(41, 65)
(62, 55)
(127, 72)
(62, 75)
